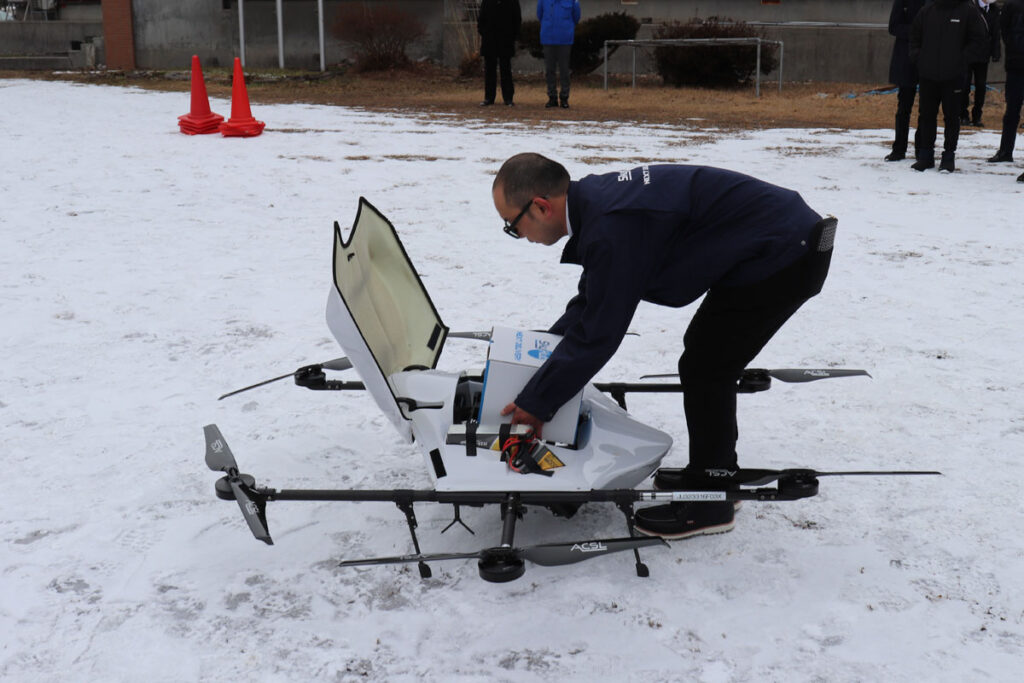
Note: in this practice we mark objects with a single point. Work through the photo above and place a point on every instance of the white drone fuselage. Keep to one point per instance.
(381, 315)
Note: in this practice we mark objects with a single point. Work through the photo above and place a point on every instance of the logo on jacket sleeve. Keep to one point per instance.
(626, 176)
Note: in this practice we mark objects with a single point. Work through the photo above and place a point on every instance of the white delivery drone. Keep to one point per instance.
(392, 335)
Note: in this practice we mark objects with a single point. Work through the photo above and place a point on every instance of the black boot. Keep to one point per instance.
(947, 164)
(683, 520)
(1020, 178)
(923, 164)
(895, 156)
(1001, 157)
(552, 102)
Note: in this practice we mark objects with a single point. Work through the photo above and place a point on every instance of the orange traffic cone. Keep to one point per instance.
(241, 123)
(200, 120)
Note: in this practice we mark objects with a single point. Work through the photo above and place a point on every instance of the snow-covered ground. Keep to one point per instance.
(144, 273)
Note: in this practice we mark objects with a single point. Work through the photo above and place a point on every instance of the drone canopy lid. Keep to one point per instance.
(379, 310)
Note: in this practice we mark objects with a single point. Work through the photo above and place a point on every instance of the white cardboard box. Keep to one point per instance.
(513, 357)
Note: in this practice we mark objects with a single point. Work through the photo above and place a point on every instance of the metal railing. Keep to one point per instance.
(662, 42)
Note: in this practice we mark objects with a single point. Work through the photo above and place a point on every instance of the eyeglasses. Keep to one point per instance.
(510, 226)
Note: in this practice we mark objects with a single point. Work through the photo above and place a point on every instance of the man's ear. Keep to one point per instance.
(544, 204)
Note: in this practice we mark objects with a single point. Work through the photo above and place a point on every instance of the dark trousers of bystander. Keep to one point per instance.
(934, 93)
(491, 68)
(730, 327)
(904, 106)
(979, 74)
(556, 58)
(1014, 101)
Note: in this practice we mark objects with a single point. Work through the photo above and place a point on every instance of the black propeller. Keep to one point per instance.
(790, 374)
(714, 479)
(336, 364)
(220, 459)
(755, 477)
(546, 555)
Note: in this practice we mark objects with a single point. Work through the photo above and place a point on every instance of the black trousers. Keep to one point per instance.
(904, 106)
(1014, 101)
(979, 74)
(730, 327)
(491, 66)
(933, 93)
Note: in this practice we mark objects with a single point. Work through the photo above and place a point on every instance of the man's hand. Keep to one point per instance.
(521, 417)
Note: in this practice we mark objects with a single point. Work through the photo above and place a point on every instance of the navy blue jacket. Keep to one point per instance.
(945, 37)
(664, 234)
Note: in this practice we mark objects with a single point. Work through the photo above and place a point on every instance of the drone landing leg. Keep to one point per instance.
(410, 517)
(457, 520)
(627, 509)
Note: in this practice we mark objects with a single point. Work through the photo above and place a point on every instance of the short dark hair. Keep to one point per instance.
(530, 175)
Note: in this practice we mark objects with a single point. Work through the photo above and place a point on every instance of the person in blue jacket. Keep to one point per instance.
(667, 234)
(558, 19)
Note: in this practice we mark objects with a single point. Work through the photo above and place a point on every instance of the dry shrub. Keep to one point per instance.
(471, 65)
(379, 32)
(710, 66)
(460, 20)
(588, 48)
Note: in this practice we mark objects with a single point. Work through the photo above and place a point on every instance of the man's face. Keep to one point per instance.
(537, 223)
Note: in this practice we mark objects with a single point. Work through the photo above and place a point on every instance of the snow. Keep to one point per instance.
(144, 273)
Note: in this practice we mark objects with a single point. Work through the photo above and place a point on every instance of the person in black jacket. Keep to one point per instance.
(978, 70)
(667, 234)
(946, 35)
(903, 74)
(1012, 28)
(498, 24)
